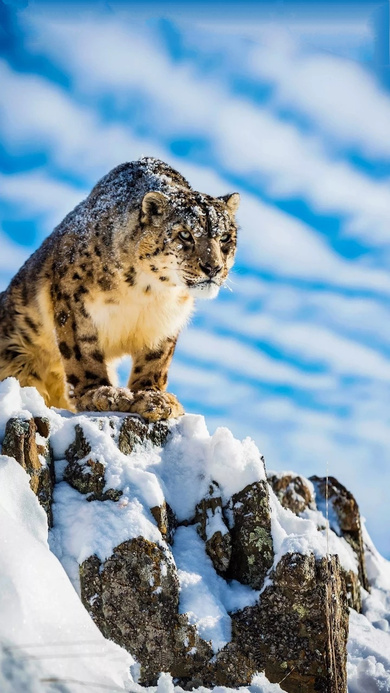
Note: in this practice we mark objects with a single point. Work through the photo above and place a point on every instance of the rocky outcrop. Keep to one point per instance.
(348, 525)
(27, 441)
(134, 599)
(295, 627)
(299, 495)
(292, 491)
(298, 631)
(84, 473)
(252, 546)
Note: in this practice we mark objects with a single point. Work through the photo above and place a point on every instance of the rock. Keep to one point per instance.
(135, 431)
(166, 520)
(292, 491)
(252, 547)
(20, 442)
(347, 512)
(133, 597)
(84, 473)
(213, 529)
(296, 493)
(298, 631)
(354, 592)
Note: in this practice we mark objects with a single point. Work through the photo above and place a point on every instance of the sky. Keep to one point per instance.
(286, 103)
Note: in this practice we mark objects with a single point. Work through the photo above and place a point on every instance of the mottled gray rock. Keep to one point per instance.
(213, 529)
(292, 491)
(133, 597)
(84, 473)
(20, 442)
(298, 632)
(347, 512)
(252, 547)
(135, 431)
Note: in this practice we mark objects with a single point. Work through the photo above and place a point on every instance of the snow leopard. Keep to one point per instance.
(118, 276)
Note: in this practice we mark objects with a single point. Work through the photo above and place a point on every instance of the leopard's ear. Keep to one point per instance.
(232, 202)
(153, 207)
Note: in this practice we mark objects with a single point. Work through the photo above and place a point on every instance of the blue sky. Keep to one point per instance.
(289, 105)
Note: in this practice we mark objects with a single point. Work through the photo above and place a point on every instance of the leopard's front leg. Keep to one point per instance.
(148, 383)
(89, 386)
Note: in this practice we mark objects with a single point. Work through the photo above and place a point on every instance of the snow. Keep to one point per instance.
(192, 460)
(205, 596)
(36, 582)
(292, 534)
(369, 632)
(41, 616)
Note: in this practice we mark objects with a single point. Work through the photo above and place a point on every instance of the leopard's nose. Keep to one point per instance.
(209, 269)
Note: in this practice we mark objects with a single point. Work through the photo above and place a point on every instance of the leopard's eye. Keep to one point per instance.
(225, 237)
(185, 235)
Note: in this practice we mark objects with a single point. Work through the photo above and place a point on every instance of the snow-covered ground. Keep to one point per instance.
(48, 641)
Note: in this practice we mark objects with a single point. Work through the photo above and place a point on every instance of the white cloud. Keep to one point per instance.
(109, 57)
(12, 256)
(366, 319)
(278, 242)
(38, 114)
(230, 353)
(342, 96)
(310, 342)
(35, 194)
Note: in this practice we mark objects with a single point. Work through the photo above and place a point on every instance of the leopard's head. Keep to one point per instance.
(189, 239)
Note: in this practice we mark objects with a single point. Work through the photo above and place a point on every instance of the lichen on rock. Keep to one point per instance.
(252, 545)
(84, 473)
(299, 629)
(133, 597)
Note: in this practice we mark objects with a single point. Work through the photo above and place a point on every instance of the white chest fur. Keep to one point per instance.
(137, 319)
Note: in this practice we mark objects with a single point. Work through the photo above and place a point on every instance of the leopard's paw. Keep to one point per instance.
(106, 398)
(155, 406)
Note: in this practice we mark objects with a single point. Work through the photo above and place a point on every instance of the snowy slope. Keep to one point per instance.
(45, 632)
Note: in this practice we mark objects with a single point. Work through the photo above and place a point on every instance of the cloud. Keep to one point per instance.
(243, 360)
(246, 139)
(39, 115)
(311, 343)
(35, 194)
(342, 97)
(12, 256)
(278, 242)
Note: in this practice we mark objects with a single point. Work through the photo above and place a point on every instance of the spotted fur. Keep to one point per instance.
(118, 276)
